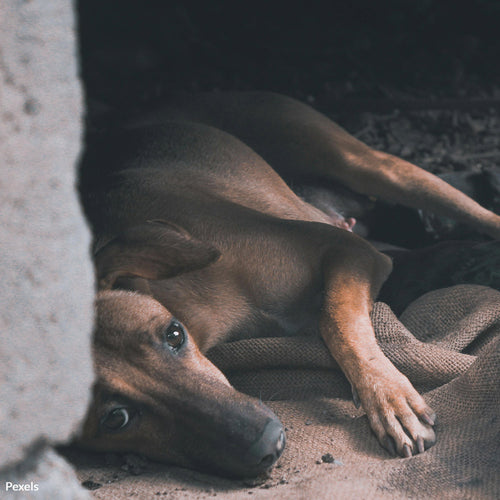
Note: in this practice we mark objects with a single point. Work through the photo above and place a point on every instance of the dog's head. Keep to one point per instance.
(155, 393)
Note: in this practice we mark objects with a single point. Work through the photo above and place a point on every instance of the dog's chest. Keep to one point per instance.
(225, 323)
(288, 320)
(265, 304)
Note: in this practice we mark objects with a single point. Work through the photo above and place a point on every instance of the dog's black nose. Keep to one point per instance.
(268, 448)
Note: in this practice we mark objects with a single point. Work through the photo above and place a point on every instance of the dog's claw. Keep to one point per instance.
(355, 397)
(420, 444)
(429, 419)
(407, 451)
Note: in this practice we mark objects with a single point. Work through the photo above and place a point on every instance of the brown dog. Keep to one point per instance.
(199, 241)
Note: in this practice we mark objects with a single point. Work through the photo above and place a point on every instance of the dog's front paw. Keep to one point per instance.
(399, 416)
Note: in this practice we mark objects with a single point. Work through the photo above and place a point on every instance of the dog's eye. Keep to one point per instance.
(116, 419)
(175, 336)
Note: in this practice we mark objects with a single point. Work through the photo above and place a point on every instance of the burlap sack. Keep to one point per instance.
(446, 342)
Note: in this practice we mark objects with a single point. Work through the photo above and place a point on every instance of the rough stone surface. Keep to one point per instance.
(46, 275)
(44, 476)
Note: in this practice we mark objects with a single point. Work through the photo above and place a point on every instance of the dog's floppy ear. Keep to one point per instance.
(154, 250)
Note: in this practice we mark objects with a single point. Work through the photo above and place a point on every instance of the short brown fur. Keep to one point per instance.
(189, 208)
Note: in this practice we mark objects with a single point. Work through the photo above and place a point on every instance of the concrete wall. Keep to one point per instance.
(46, 288)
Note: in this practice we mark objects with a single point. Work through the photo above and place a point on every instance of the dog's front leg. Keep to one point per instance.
(398, 415)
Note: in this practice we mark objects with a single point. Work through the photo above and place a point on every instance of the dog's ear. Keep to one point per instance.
(154, 250)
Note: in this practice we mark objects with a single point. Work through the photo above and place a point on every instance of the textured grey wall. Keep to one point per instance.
(46, 277)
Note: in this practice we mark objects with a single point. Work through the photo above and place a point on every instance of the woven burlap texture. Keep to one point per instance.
(446, 342)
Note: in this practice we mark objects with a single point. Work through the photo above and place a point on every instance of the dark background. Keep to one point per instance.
(360, 48)
(420, 80)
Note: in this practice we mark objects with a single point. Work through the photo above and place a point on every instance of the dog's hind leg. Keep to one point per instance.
(298, 141)
(318, 147)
